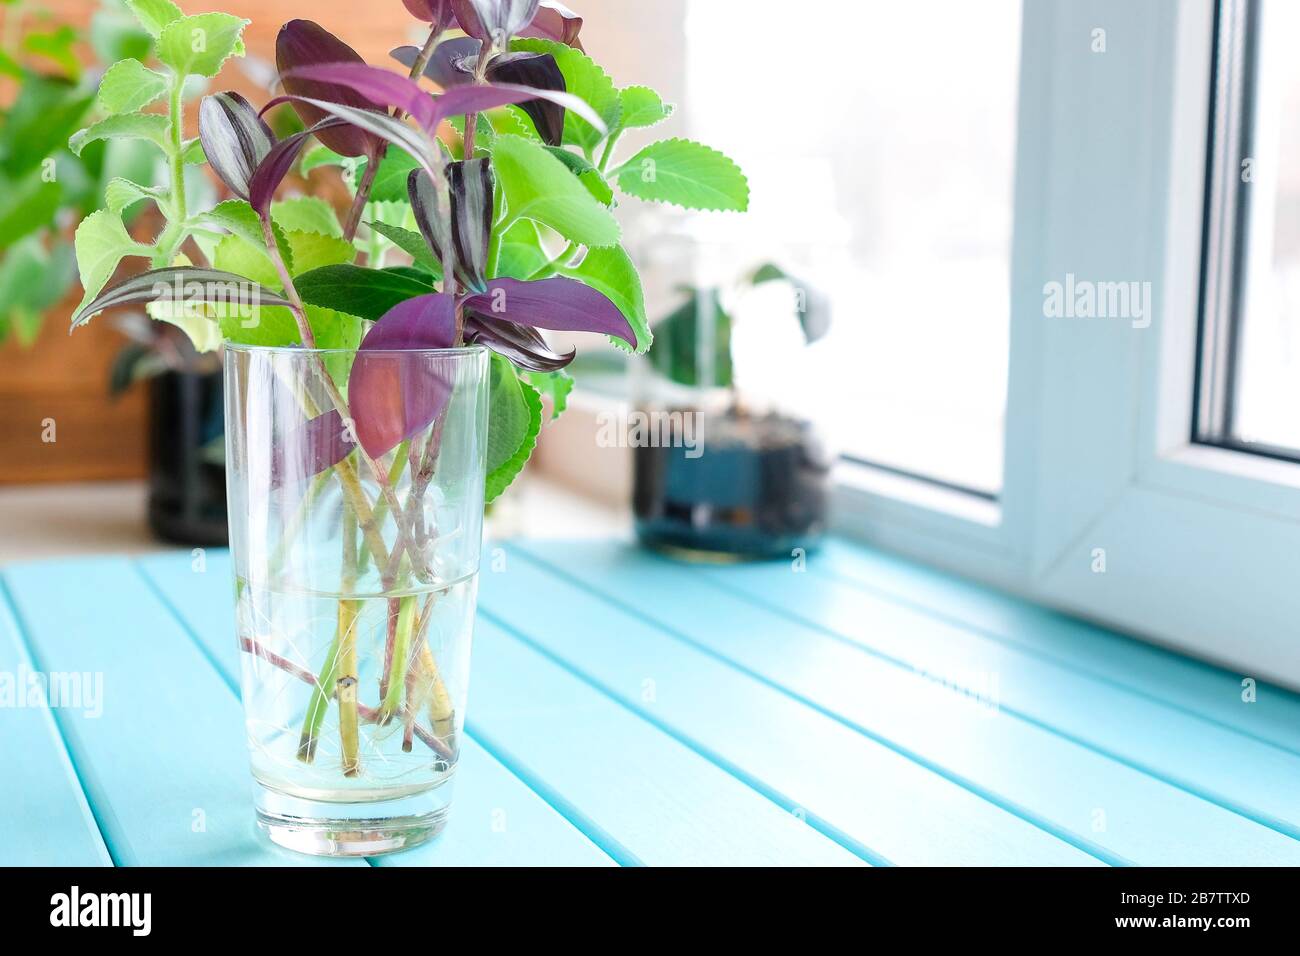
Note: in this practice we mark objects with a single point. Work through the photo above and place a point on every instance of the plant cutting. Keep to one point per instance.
(384, 363)
(732, 476)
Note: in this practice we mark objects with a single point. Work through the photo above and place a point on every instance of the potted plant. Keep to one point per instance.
(719, 474)
(374, 403)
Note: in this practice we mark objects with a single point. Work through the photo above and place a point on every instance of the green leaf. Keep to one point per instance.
(540, 187)
(114, 35)
(101, 243)
(514, 420)
(521, 253)
(129, 86)
(235, 216)
(306, 214)
(151, 127)
(56, 45)
(192, 152)
(642, 107)
(320, 155)
(390, 181)
(367, 293)
(154, 15)
(248, 259)
(314, 250)
(26, 205)
(677, 354)
(46, 112)
(611, 272)
(586, 172)
(276, 327)
(413, 244)
(199, 45)
(685, 173)
(557, 385)
(32, 279)
(120, 194)
(582, 78)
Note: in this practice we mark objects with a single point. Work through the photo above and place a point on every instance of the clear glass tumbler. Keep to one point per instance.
(355, 583)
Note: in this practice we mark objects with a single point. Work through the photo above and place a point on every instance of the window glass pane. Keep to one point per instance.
(1267, 406)
(879, 139)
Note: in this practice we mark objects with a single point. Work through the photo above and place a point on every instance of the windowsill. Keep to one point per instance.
(917, 493)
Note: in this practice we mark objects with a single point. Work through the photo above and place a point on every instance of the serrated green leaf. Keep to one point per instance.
(413, 244)
(235, 216)
(642, 107)
(154, 15)
(557, 385)
(367, 293)
(306, 214)
(588, 174)
(129, 86)
(314, 250)
(237, 255)
(540, 187)
(276, 327)
(585, 79)
(514, 420)
(611, 272)
(151, 127)
(101, 243)
(687, 174)
(120, 194)
(199, 45)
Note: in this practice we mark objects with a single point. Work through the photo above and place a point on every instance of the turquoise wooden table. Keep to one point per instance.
(625, 709)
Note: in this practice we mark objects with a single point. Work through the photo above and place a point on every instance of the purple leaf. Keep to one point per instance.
(430, 11)
(381, 88)
(235, 139)
(494, 20)
(310, 448)
(472, 209)
(554, 21)
(451, 63)
(560, 304)
(524, 347)
(538, 71)
(393, 392)
(304, 43)
(277, 163)
(383, 127)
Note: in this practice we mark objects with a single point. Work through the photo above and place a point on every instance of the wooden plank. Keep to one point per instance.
(47, 819)
(801, 758)
(1248, 776)
(1049, 779)
(643, 795)
(165, 767)
(495, 820)
(1180, 681)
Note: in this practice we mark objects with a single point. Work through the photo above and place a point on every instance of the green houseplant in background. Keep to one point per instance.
(44, 188)
(726, 475)
(385, 363)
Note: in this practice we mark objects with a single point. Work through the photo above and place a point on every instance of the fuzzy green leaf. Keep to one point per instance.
(151, 127)
(557, 385)
(199, 45)
(120, 194)
(192, 152)
(129, 86)
(237, 217)
(413, 244)
(241, 257)
(586, 172)
(514, 420)
(154, 15)
(642, 107)
(540, 187)
(101, 243)
(687, 174)
(314, 250)
(611, 272)
(521, 253)
(306, 214)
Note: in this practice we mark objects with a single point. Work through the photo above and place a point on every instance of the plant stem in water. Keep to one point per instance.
(347, 656)
(401, 659)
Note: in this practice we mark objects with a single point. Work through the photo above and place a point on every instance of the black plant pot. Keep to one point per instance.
(753, 487)
(187, 474)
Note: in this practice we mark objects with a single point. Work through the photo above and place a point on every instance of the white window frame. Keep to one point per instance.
(1201, 545)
